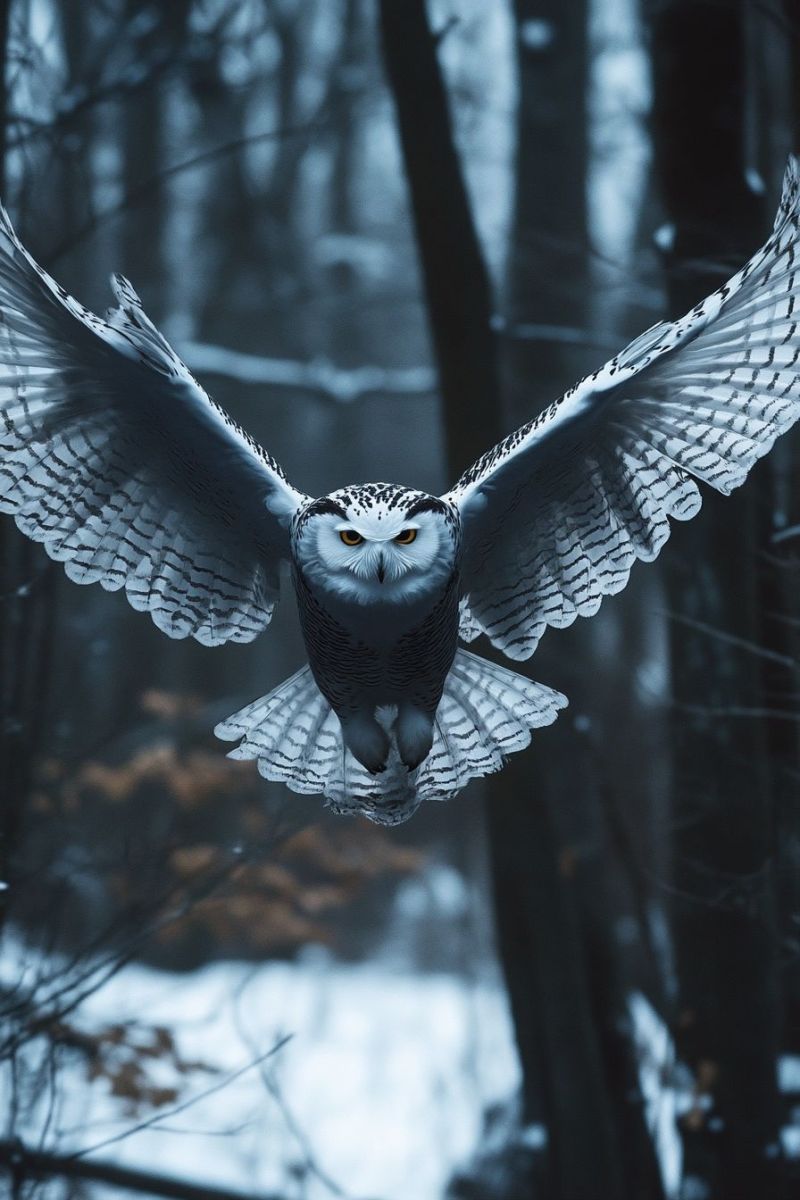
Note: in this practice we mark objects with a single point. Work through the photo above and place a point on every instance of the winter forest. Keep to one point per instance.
(382, 234)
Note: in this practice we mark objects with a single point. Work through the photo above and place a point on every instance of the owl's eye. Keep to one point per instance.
(350, 537)
(406, 537)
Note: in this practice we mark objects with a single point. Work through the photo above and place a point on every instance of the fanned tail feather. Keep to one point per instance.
(485, 714)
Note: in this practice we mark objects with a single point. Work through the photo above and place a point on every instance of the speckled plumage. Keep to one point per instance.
(119, 463)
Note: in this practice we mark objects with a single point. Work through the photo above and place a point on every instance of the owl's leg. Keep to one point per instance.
(367, 740)
(414, 730)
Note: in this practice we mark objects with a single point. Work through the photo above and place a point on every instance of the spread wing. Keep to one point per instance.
(115, 459)
(555, 516)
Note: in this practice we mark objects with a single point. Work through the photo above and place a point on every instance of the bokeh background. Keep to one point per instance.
(382, 234)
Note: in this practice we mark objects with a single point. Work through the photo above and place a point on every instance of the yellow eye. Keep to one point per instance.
(406, 537)
(350, 537)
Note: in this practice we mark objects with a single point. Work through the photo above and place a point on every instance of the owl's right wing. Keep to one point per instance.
(114, 458)
(555, 516)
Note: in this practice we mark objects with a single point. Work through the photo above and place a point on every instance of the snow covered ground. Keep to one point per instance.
(382, 1085)
(377, 1090)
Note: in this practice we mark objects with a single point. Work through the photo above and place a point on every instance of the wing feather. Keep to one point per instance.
(115, 459)
(555, 515)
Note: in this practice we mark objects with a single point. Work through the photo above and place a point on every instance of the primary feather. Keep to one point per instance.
(555, 515)
(118, 462)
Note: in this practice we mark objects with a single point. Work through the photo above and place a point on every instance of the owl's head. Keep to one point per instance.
(377, 542)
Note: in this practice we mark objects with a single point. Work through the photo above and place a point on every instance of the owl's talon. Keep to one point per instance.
(367, 741)
(414, 729)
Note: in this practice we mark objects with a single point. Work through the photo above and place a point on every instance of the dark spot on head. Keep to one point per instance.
(426, 504)
(325, 506)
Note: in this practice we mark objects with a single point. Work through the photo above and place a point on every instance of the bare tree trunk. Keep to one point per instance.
(283, 190)
(344, 105)
(555, 908)
(729, 1024)
(456, 281)
(780, 598)
(9, 800)
(144, 152)
(578, 1074)
(26, 611)
(541, 928)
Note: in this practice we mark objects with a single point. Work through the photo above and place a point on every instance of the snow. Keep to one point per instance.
(656, 1055)
(366, 1078)
(537, 34)
(533, 1137)
(619, 100)
(789, 1073)
(385, 1077)
(790, 1141)
(668, 1090)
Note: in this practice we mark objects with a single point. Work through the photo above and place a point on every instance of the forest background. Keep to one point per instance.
(382, 235)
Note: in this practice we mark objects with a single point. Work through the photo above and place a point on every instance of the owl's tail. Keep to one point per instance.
(485, 714)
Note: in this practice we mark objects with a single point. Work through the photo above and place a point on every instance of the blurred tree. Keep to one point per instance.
(286, 24)
(344, 100)
(729, 1020)
(9, 545)
(454, 273)
(26, 612)
(552, 851)
(776, 127)
(155, 37)
(578, 1070)
(157, 847)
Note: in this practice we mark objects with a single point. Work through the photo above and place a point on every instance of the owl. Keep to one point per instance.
(116, 460)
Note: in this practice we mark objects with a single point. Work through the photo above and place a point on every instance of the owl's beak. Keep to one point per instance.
(381, 572)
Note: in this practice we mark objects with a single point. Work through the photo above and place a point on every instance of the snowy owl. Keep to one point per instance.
(119, 463)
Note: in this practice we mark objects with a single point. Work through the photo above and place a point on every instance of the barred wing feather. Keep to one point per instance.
(555, 516)
(115, 459)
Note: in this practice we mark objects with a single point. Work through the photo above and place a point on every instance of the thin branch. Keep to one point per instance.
(138, 193)
(738, 710)
(157, 1118)
(310, 1164)
(22, 1164)
(784, 535)
(122, 83)
(569, 335)
(731, 639)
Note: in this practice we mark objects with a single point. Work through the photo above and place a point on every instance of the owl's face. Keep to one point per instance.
(377, 542)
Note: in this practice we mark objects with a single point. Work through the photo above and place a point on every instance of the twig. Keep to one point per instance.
(540, 332)
(310, 1164)
(784, 535)
(731, 639)
(157, 1118)
(155, 181)
(738, 710)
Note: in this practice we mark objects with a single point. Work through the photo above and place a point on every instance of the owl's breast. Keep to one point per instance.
(381, 653)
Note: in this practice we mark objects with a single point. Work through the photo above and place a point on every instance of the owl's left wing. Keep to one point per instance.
(114, 458)
(555, 516)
